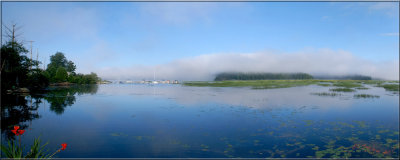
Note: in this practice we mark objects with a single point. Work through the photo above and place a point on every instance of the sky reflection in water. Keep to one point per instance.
(126, 120)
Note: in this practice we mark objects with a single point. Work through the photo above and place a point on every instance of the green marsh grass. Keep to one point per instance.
(390, 87)
(326, 94)
(375, 82)
(365, 96)
(347, 84)
(343, 85)
(324, 84)
(342, 90)
(255, 84)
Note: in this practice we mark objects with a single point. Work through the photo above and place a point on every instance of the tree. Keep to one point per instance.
(14, 65)
(59, 60)
(79, 78)
(38, 79)
(92, 78)
(61, 74)
(71, 67)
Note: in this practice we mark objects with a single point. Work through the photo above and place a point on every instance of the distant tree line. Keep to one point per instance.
(260, 76)
(17, 70)
(345, 77)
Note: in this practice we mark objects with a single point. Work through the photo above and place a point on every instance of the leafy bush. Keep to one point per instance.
(61, 75)
(38, 79)
(91, 78)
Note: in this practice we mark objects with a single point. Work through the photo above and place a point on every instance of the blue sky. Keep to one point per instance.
(124, 36)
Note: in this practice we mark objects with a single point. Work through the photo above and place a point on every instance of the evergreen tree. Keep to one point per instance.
(14, 65)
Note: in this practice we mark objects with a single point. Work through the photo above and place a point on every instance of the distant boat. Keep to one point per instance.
(154, 76)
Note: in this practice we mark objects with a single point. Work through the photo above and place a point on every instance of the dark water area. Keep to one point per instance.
(175, 121)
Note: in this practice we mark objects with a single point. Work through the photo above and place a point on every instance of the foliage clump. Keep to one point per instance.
(61, 74)
(366, 96)
(390, 87)
(342, 90)
(19, 71)
(326, 94)
(61, 69)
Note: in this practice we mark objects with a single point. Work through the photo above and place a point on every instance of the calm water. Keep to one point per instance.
(128, 120)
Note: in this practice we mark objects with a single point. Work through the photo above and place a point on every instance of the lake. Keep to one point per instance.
(175, 121)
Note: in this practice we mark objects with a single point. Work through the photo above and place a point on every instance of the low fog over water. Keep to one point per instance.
(205, 67)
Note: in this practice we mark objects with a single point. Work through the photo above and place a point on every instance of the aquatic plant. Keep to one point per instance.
(390, 87)
(260, 76)
(344, 85)
(18, 133)
(365, 96)
(371, 150)
(63, 146)
(362, 88)
(342, 90)
(36, 150)
(326, 94)
(347, 84)
(324, 84)
(373, 82)
(255, 84)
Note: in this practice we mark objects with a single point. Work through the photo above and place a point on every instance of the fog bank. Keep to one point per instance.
(205, 67)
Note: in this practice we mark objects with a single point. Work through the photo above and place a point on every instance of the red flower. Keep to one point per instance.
(21, 131)
(14, 131)
(16, 127)
(64, 145)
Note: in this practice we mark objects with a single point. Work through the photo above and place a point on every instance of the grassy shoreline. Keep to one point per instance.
(270, 84)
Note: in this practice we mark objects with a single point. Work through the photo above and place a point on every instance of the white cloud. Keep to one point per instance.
(325, 18)
(390, 8)
(205, 67)
(384, 5)
(56, 22)
(100, 53)
(390, 34)
(179, 13)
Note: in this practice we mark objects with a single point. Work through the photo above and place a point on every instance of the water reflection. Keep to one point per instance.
(16, 110)
(20, 109)
(136, 121)
(179, 121)
(62, 97)
(240, 96)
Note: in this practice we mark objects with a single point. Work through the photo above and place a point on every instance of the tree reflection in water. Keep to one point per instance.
(16, 110)
(20, 109)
